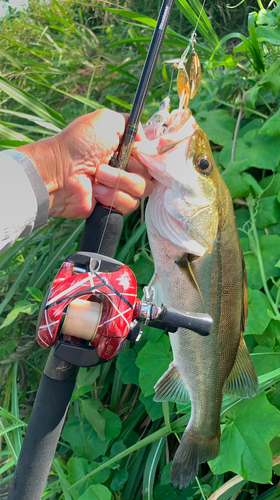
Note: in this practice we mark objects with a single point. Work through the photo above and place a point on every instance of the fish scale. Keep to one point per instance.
(199, 267)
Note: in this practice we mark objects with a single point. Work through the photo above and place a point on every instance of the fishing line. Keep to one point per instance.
(110, 211)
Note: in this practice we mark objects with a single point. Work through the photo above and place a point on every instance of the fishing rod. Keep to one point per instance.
(101, 234)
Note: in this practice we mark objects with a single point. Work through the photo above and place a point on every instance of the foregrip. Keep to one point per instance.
(102, 231)
(41, 437)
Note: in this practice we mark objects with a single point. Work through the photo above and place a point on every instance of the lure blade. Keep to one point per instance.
(183, 87)
(193, 69)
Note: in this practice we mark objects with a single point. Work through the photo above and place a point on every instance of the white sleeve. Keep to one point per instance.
(24, 199)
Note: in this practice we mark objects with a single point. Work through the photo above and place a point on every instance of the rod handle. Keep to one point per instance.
(102, 231)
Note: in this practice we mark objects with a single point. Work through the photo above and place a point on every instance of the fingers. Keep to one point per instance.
(134, 184)
(120, 189)
(110, 197)
(136, 167)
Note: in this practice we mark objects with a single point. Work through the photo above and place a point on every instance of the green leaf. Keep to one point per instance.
(166, 474)
(84, 439)
(118, 101)
(101, 476)
(151, 467)
(118, 447)
(77, 468)
(238, 185)
(93, 416)
(268, 212)
(97, 492)
(261, 152)
(270, 185)
(143, 269)
(245, 440)
(10, 134)
(265, 34)
(35, 293)
(265, 359)
(218, 125)
(87, 377)
(258, 319)
(153, 360)
(168, 492)
(22, 306)
(119, 480)
(32, 104)
(272, 125)
(267, 17)
(126, 364)
(271, 77)
(154, 409)
(269, 245)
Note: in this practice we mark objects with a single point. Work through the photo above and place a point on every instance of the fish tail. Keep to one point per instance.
(193, 450)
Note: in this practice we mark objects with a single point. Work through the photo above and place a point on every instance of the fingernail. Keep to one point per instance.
(107, 174)
(99, 189)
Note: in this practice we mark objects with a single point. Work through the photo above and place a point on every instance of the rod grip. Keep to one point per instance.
(41, 439)
(102, 231)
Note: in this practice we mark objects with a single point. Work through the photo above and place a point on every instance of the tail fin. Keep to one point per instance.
(193, 450)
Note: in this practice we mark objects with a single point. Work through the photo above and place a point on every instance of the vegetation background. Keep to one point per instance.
(60, 59)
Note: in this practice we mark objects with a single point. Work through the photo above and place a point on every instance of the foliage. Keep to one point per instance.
(59, 60)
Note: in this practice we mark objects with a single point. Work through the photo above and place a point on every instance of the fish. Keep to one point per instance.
(199, 267)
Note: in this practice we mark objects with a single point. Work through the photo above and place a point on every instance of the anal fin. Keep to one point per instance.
(242, 380)
(171, 387)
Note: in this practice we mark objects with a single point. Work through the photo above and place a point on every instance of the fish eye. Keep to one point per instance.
(204, 164)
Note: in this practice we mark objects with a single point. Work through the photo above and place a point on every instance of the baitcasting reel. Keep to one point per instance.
(91, 309)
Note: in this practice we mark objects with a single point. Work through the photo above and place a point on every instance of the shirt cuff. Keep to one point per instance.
(37, 184)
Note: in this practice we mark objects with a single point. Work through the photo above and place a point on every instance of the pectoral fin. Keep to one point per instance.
(171, 387)
(242, 380)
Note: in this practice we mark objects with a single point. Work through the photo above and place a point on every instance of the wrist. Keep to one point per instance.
(45, 155)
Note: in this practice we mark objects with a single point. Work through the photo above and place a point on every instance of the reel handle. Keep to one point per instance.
(200, 323)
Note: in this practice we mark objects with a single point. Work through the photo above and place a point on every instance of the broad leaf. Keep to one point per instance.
(153, 360)
(22, 306)
(97, 492)
(94, 417)
(265, 359)
(119, 480)
(85, 440)
(218, 125)
(258, 319)
(245, 440)
(270, 185)
(261, 151)
(126, 364)
(268, 212)
(239, 184)
(270, 245)
(265, 34)
(272, 125)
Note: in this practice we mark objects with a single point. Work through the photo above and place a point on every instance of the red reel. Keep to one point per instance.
(105, 282)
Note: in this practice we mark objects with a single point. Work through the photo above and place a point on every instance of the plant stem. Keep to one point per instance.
(201, 490)
(257, 251)
(237, 126)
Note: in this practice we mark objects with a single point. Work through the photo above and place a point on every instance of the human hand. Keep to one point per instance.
(74, 167)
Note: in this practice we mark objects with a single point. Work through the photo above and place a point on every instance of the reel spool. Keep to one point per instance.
(82, 319)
